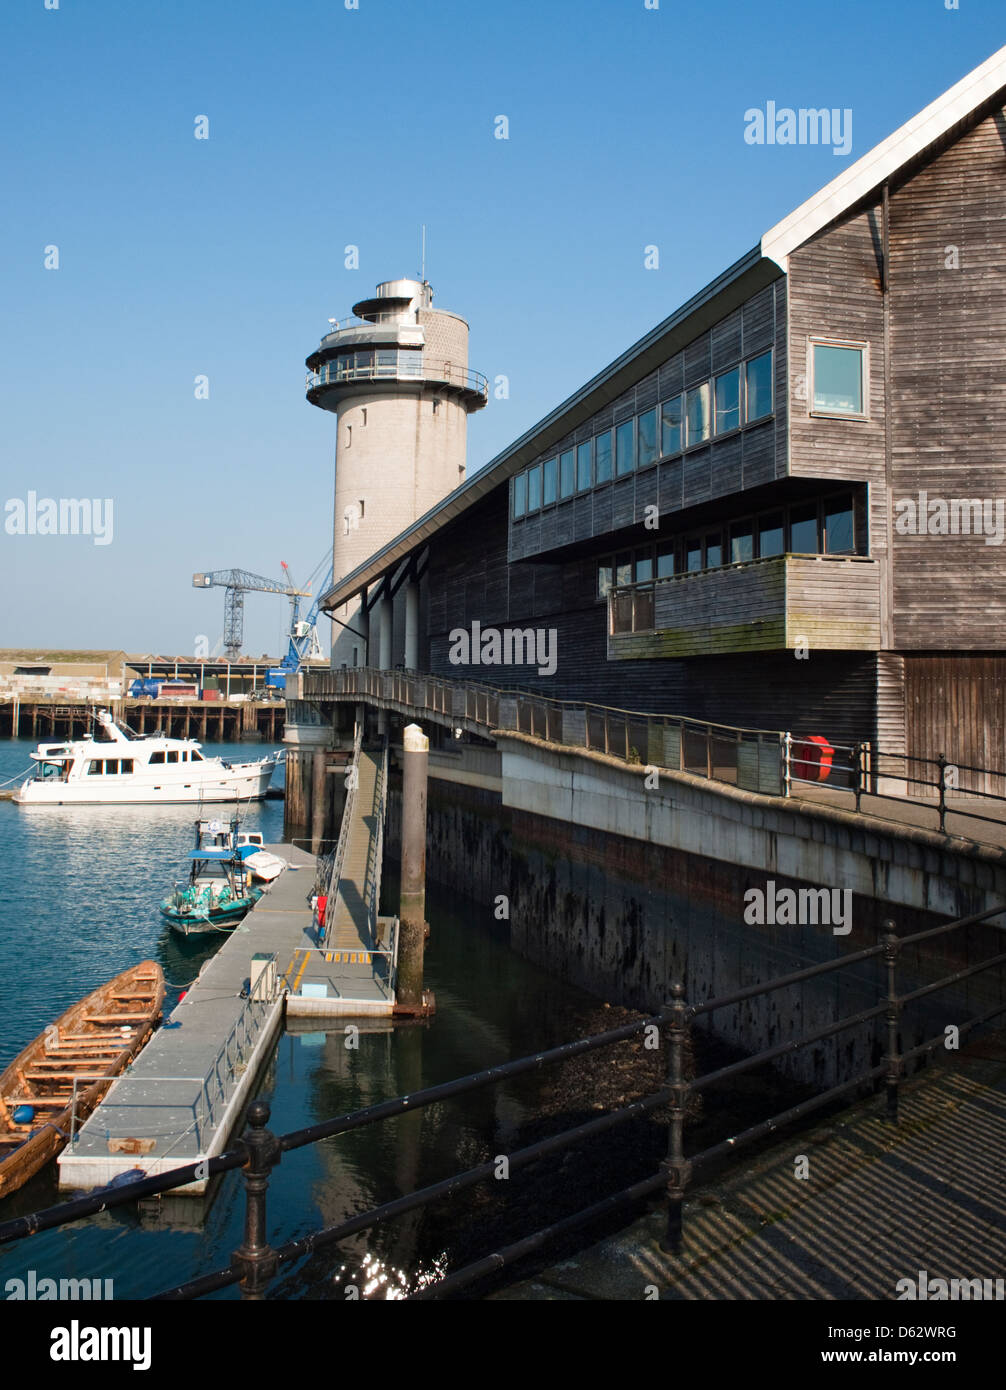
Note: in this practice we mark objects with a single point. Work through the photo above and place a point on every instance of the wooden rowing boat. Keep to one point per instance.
(70, 1067)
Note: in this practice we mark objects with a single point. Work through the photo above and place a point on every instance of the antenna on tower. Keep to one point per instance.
(422, 255)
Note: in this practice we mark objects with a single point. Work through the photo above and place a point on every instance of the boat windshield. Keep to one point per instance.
(51, 771)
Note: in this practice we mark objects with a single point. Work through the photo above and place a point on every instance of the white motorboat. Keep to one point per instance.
(114, 766)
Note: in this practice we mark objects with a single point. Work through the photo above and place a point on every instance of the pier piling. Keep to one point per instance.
(412, 909)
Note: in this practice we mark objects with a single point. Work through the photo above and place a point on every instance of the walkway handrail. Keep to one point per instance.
(210, 1095)
(751, 758)
(772, 762)
(376, 849)
(259, 1151)
(316, 681)
(335, 878)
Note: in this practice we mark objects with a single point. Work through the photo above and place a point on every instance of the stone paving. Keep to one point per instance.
(881, 1203)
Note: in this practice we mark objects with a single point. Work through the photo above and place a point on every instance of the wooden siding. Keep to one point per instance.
(831, 693)
(949, 401)
(947, 366)
(745, 460)
(826, 604)
(956, 705)
(890, 733)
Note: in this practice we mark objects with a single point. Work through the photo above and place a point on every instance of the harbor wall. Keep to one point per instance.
(623, 892)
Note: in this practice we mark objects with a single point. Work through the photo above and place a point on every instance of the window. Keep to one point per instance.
(349, 435)
(665, 560)
(363, 410)
(173, 757)
(624, 435)
(644, 568)
(602, 458)
(714, 550)
(157, 757)
(670, 426)
(728, 401)
(548, 482)
(126, 765)
(758, 387)
(741, 541)
(646, 439)
(697, 414)
(838, 379)
(771, 535)
(534, 488)
(839, 528)
(623, 568)
(566, 478)
(198, 757)
(693, 554)
(112, 767)
(94, 768)
(584, 471)
(520, 494)
(803, 529)
(603, 581)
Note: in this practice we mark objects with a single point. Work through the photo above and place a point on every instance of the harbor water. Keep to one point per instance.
(79, 903)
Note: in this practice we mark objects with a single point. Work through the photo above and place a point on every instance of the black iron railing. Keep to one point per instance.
(255, 1263)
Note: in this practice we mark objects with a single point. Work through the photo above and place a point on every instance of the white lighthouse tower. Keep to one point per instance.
(396, 377)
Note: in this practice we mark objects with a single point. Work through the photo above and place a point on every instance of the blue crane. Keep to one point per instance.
(303, 644)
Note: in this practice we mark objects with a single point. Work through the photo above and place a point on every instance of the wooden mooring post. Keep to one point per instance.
(411, 998)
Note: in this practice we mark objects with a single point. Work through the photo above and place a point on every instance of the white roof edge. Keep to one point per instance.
(884, 159)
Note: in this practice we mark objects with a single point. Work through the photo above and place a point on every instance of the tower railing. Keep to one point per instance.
(399, 365)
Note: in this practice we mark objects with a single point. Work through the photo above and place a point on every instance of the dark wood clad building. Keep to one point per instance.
(784, 507)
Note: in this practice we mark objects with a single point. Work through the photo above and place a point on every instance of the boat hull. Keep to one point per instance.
(245, 782)
(222, 919)
(72, 1041)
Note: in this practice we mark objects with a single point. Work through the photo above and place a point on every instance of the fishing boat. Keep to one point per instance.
(218, 894)
(249, 844)
(50, 1088)
(114, 765)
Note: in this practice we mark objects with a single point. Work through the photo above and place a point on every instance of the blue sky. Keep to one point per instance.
(224, 257)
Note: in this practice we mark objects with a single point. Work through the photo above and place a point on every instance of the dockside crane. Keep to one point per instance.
(304, 645)
(236, 583)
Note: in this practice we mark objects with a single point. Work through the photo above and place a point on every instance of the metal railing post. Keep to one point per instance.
(787, 771)
(678, 1171)
(891, 947)
(857, 772)
(255, 1260)
(943, 793)
(709, 752)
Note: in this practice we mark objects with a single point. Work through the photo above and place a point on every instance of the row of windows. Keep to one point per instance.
(110, 767)
(369, 363)
(717, 407)
(821, 527)
(176, 756)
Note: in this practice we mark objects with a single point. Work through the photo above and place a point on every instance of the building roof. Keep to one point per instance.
(765, 262)
(939, 119)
